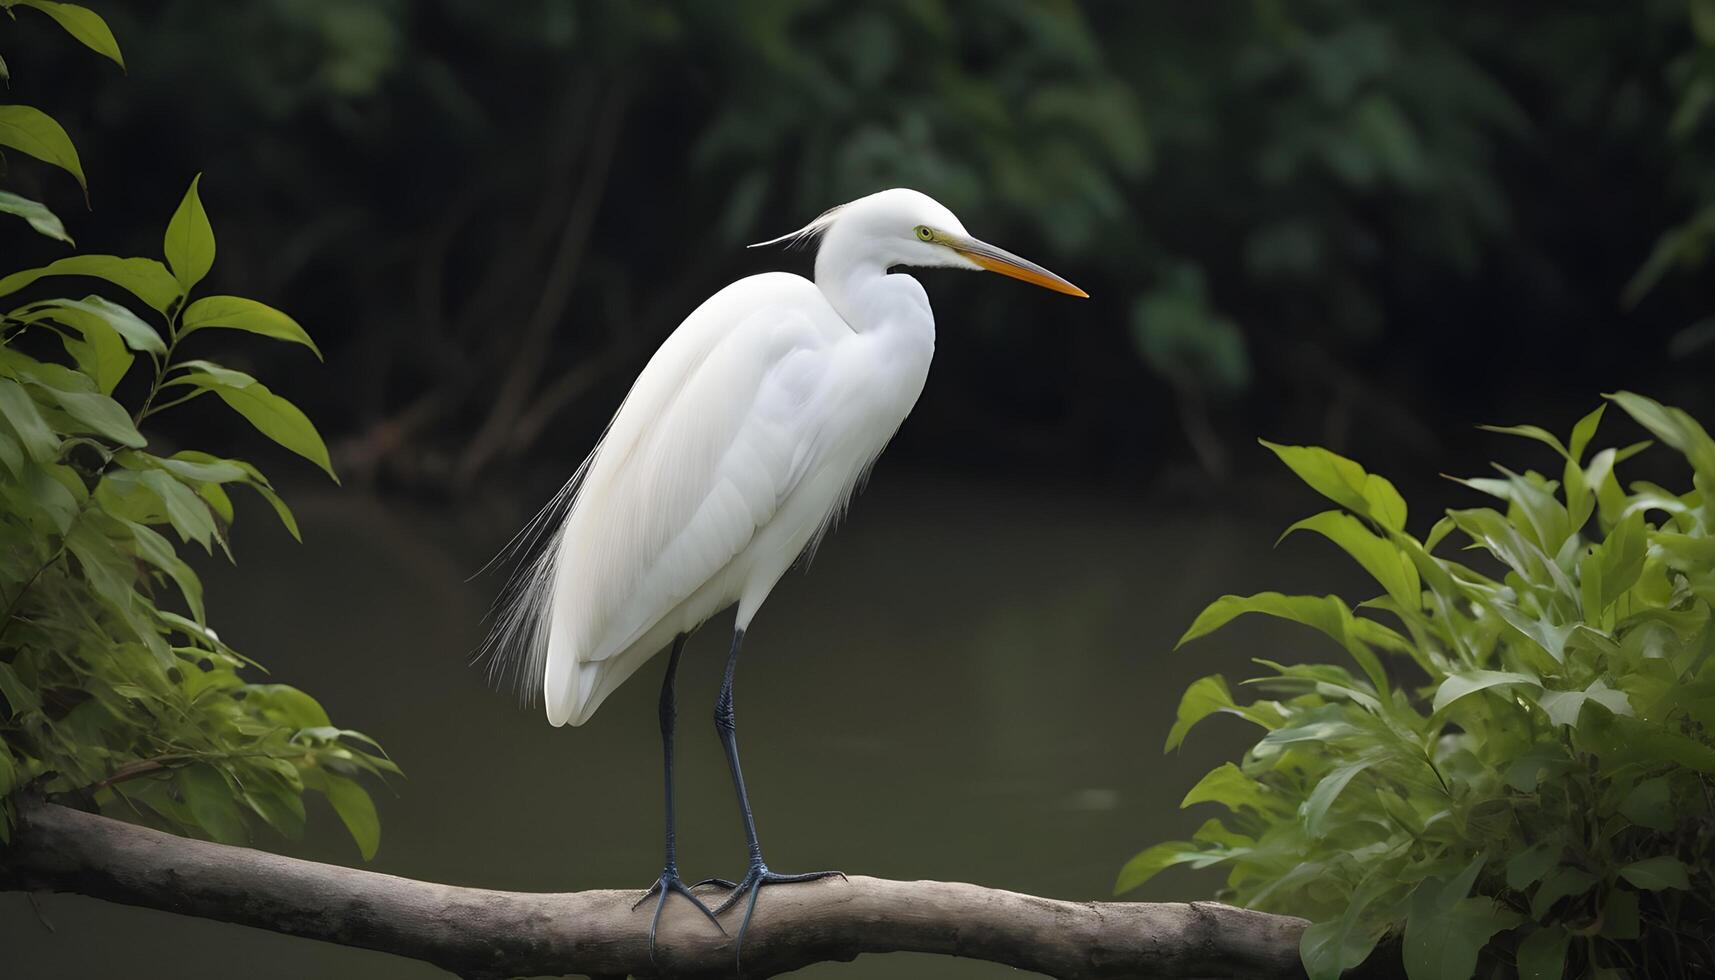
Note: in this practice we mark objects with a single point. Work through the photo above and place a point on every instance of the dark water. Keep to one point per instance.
(971, 683)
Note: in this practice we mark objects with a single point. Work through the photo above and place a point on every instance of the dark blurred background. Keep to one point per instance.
(1365, 225)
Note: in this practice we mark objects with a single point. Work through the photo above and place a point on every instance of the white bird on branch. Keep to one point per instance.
(736, 448)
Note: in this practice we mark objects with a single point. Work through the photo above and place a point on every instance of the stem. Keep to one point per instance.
(143, 767)
(177, 401)
(155, 387)
(12, 607)
(162, 366)
(1430, 762)
(131, 771)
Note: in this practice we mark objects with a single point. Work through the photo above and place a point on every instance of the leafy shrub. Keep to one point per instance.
(1539, 787)
(113, 689)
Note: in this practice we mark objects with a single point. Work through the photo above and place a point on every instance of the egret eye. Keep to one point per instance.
(924, 233)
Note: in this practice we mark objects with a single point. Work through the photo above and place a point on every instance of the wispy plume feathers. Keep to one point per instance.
(807, 234)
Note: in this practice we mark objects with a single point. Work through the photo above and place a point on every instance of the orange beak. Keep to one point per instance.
(1007, 264)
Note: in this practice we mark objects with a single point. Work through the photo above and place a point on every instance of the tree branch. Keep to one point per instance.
(477, 933)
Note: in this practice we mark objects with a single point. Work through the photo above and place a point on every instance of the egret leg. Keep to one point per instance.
(670, 882)
(758, 874)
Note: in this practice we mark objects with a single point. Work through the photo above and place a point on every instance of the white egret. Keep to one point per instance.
(736, 448)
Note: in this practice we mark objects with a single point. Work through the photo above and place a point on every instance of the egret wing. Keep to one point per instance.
(706, 446)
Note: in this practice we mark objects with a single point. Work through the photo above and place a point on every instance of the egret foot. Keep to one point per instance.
(754, 879)
(667, 884)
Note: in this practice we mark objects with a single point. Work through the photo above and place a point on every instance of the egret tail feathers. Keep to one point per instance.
(576, 689)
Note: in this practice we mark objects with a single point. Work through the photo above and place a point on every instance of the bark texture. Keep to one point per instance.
(476, 933)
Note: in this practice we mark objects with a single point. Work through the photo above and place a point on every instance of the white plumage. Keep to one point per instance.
(739, 443)
(736, 446)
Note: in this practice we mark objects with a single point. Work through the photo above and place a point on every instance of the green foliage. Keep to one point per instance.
(114, 691)
(1190, 345)
(1690, 77)
(1520, 767)
(1338, 176)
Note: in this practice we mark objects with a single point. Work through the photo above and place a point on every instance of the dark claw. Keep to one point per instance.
(754, 879)
(717, 882)
(670, 883)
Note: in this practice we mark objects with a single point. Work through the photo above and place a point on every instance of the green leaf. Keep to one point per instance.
(273, 416)
(283, 809)
(11, 454)
(20, 412)
(1529, 432)
(1443, 939)
(1329, 680)
(289, 706)
(1620, 561)
(1583, 432)
(1203, 698)
(98, 413)
(1315, 809)
(1542, 954)
(1326, 613)
(189, 244)
(1460, 884)
(38, 215)
(1650, 804)
(1563, 707)
(81, 23)
(1472, 681)
(158, 551)
(1323, 726)
(1561, 883)
(1656, 873)
(1622, 740)
(146, 279)
(238, 313)
(1215, 832)
(1495, 533)
(19, 698)
(1228, 785)
(188, 513)
(98, 350)
(1152, 862)
(1345, 483)
(137, 334)
(211, 803)
(34, 132)
(110, 573)
(257, 481)
(356, 810)
(1549, 636)
(1530, 864)
(50, 496)
(1437, 532)
(198, 470)
(1674, 427)
(1546, 518)
(1388, 565)
(280, 510)
(1328, 949)
(1580, 502)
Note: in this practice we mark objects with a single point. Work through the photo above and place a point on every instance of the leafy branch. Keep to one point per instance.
(114, 690)
(1562, 695)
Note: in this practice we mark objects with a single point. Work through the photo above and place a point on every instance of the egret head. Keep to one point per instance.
(906, 227)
